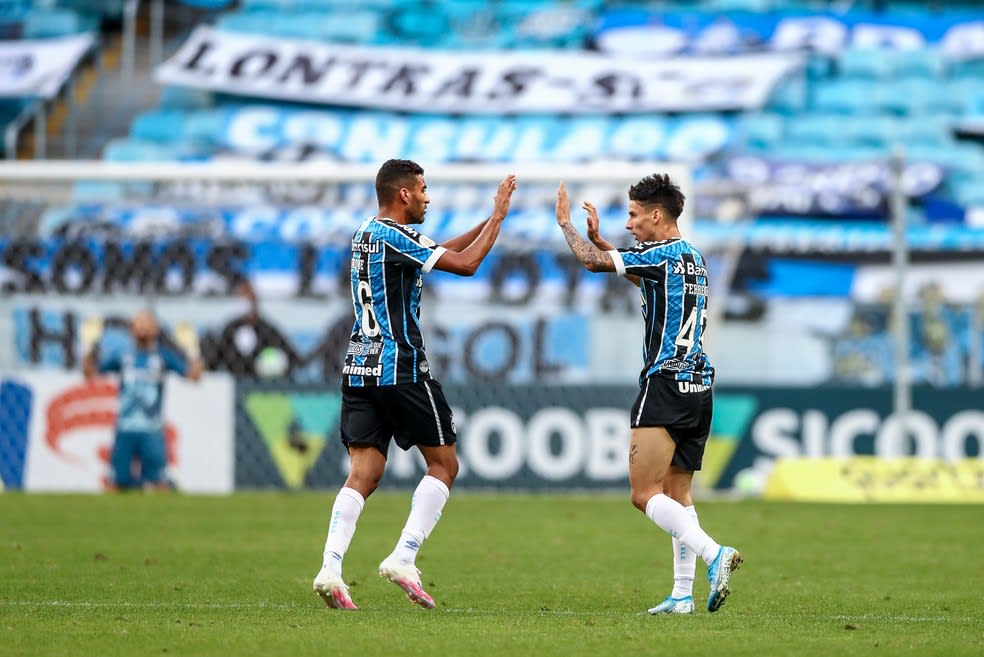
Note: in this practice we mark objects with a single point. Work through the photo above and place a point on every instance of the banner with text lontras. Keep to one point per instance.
(415, 80)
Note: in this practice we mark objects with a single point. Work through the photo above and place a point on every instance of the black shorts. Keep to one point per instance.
(683, 409)
(410, 413)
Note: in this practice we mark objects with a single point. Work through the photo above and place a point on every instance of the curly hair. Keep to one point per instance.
(394, 175)
(658, 189)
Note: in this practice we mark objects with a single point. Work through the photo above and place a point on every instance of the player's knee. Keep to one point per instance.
(445, 470)
(641, 496)
(364, 482)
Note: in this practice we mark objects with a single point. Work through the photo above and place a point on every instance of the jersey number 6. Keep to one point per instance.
(370, 327)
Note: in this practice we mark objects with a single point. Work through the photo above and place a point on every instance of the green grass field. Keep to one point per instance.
(178, 575)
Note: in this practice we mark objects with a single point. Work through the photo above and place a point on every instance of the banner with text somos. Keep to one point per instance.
(433, 81)
(39, 68)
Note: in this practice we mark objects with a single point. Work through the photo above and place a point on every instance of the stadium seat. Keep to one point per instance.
(202, 128)
(134, 150)
(161, 126)
(815, 129)
(185, 98)
(879, 132)
(932, 131)
(915, 96)
(865, 63)
(46, 24)
(843, 97)
(758, 131)
(922, 62)
(789, 96)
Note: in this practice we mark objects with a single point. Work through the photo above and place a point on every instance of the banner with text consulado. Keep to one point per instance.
(576, 437)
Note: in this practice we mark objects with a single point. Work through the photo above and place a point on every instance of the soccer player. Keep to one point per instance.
(671, 417)
(139, 422)
(388, 392)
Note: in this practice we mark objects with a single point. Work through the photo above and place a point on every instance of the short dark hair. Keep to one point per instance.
(658, 189)
(393, 176)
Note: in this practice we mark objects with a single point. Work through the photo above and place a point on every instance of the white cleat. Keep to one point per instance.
(333, 591)
(671, 605)
(405, 575)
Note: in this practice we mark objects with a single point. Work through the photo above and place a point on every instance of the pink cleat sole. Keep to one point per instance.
(414, 593)
(337, 599)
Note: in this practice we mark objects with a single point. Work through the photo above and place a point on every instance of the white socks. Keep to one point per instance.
(684, 563)
(425, 510)
(344, 514)
(672, 518)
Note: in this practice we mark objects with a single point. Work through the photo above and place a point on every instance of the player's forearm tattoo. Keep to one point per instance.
(585, 252)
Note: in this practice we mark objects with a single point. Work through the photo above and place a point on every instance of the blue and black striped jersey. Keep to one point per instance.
(142, 375)
(388, 262)
(673, 283)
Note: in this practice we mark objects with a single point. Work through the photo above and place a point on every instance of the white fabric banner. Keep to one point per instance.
(470, 82)
(39, 68)
(72, 429)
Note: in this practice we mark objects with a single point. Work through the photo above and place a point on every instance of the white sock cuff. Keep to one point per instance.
(436, 483)
(354, 494)
(649, 505)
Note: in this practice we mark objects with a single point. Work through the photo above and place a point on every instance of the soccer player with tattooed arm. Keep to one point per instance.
(671, 417)
(388, 392)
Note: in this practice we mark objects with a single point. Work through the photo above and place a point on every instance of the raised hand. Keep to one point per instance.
(563, 206)
(593, 222)
(503, 196)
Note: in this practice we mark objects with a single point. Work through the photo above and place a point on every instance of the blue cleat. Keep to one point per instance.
(671, 605)
(727, 561)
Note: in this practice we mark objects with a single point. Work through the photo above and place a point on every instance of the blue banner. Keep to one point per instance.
(273, 132)
(958, 35)
(851, 189)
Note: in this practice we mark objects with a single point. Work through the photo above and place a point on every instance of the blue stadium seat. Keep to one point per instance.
(759, 131)
(800, 152)
(130, 149)
(972, 69)
(815, 129)
(161, 126)
(50, 23)
(843, 97)
(969, 193)
(932, 131)
(789, 96)
(915, 96)
(202, 128)
(879, 132)
(185, 98)
(918, 63)
(865, 63)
